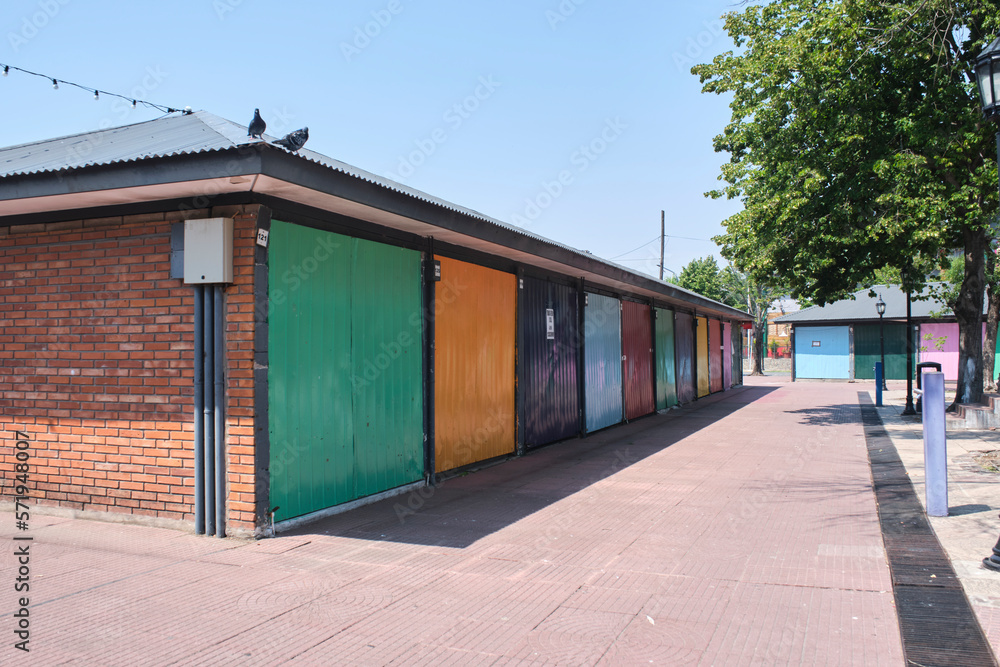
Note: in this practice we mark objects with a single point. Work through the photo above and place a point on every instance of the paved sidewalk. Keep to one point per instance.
(739, 531)
(971, 529)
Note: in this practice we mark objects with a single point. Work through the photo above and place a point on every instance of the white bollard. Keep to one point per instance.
(935, 445)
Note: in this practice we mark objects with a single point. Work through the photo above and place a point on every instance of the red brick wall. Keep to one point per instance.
(96, 361)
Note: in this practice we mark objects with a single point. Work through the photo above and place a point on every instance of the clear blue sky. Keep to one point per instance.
(485, 104)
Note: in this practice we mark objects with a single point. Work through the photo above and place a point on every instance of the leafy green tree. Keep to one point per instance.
(701, 275)
(857, 143)
(756, 298)
(736, 289)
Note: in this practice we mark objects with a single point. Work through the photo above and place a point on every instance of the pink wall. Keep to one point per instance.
(948, 356)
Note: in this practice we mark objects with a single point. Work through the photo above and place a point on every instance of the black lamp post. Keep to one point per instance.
(880, 307)
(988, 78)
(908, 409)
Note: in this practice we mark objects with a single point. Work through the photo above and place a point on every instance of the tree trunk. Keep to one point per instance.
(992, 319)
(969, 313)
(758, 348)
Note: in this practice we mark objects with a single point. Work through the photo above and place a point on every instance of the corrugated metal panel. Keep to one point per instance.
(737, 347)
(345, 381)
(867, 351)
(727, 355)
(637, 348)
(996, 358)
(602, 329)
(551, 391)
(822, 352)
(684, 351)
(388, 412)
(311, 418)
(666, 380)
(704, 388)
(474, 364)
(715, 356)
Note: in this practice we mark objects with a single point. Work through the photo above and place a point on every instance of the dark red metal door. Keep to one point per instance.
(637, 349)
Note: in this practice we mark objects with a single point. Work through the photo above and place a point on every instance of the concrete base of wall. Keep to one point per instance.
(289, 524)
(111, 517)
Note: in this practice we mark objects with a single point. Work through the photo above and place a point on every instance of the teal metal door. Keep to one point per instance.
(345, 379)
(867, 350)
(666, 383)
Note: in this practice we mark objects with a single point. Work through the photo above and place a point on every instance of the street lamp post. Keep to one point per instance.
(880, 307)
(988, 78)
(908, 409)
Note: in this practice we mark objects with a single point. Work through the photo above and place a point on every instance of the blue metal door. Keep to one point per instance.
(602, 330)
(822, 353)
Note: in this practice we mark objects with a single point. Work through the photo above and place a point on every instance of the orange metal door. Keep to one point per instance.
(474, 329)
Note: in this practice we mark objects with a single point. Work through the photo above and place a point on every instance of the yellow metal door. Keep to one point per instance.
(703, 385)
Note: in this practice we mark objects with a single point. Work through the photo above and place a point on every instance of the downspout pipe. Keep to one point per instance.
(208, 416)
(199, 407)
(217, 410)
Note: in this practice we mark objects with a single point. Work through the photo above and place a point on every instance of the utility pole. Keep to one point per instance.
(663, 229)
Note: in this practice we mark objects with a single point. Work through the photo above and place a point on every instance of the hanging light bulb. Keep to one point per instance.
(97, 96)
(133, 104)
(6, 70)
(55, 85)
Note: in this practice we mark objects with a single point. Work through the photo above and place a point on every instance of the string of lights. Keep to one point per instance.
(95, 91)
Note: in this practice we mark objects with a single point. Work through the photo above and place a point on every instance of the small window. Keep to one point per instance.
(816, 343)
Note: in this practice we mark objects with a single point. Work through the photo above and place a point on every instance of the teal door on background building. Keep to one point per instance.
(867, 351)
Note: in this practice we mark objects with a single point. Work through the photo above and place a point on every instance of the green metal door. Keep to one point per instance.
(666, 385)
(345, 368)
(867, 351)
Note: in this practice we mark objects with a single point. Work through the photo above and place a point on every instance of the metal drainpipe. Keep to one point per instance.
(199, 406)
(209, 321)
(217, 408)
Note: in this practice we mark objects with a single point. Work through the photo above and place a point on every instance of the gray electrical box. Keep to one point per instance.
(208, 250)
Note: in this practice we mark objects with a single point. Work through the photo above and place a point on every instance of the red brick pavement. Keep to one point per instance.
(741, 530)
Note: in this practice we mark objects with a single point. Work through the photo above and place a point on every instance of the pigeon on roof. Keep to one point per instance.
(294, 140)
(257, 125)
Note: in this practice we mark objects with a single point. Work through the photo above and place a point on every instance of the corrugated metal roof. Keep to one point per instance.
(202, 132)
(862, 307)
(171, 135)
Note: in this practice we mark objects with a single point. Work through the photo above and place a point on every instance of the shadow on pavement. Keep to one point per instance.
(846, 413)
(463, 509)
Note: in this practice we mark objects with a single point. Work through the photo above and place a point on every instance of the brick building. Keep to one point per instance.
(320, 343)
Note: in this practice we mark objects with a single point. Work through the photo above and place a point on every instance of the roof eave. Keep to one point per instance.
(294, 178)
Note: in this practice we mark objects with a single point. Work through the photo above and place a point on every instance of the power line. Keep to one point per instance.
(655, 238)
(688, 238)
(96, 91)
